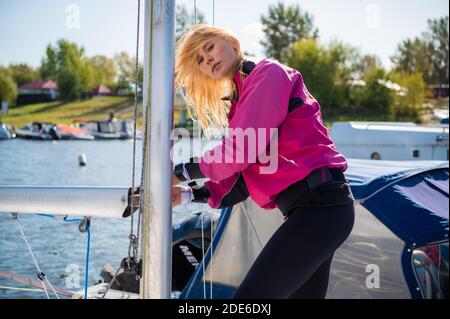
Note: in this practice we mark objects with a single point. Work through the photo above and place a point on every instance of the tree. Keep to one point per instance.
(427, 54)
(23, 73)
(414, 56)
(367, 64)
(48, 66)
(185, 19)
(284, 26)
(69, 84)
(8, 89)
(325, 69)
(126, 69)
(437, 39)
(104, 70)
(66, 63)
(377, 97)
(409, 103)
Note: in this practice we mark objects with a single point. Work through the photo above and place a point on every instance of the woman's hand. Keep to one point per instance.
(175, 180)
(176, 195)
(181, 195)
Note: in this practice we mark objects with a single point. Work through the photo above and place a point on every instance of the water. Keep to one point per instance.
(59, 247)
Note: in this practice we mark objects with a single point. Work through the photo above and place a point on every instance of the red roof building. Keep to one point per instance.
(101, 90)
(39, 85)
(37, 92)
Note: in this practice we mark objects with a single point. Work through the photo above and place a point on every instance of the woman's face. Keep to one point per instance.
(217, 57)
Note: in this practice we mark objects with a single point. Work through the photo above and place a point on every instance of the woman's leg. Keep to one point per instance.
(302, 244)
(316, 286)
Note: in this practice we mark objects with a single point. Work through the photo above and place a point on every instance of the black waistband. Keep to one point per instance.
(316, 178)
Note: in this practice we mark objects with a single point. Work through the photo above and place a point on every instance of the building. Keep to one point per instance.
(37, 92)
(439, 90)
(100, 90)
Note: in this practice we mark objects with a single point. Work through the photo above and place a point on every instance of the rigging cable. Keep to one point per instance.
(87, 221)
(203, 255)
(41, 275)
(133, 238)
(133, 248)
(212, 212)
(88, 246)
(207, 208)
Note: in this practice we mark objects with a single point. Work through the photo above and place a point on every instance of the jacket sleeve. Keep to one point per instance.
(262, 106)
(227, 192)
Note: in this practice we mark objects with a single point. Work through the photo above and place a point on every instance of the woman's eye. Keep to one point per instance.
(210, 48)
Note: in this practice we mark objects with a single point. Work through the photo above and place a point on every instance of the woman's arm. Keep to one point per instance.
(262, 108)
(187, 171)
(225, 193)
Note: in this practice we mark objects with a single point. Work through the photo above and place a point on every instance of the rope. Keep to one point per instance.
(132, 242)
(144, 151)
(45, 289)
(133, 247)
(140, 211)
(212, 234)
(41, 275)
(211, 261)
(111, 282)
(203, 256)
(88, 246)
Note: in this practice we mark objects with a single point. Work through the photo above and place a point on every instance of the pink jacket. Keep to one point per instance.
(303, 141)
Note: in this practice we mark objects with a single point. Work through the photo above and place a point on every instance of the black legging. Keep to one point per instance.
(295, 263)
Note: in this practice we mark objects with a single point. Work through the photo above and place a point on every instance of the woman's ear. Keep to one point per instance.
(235, 43)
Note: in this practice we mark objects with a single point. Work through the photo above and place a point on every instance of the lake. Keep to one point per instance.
(59, 246)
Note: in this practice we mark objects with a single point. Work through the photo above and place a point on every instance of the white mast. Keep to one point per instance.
(157, 203)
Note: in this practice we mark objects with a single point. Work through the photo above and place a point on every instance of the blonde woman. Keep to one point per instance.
(307, 184)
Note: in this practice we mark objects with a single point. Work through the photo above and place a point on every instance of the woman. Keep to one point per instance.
(307, 184)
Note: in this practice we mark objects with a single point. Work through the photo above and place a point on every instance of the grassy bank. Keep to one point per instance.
(65, 113)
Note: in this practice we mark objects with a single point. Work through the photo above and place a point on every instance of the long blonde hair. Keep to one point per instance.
(203, 94)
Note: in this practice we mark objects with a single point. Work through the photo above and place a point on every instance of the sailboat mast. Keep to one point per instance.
(157, 196)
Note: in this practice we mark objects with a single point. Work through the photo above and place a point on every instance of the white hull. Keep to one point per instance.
(391, 141)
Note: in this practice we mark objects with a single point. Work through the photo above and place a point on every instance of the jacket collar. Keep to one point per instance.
(244, 71)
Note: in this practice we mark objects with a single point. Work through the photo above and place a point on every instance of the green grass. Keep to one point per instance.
(58, 112)
(66, 113)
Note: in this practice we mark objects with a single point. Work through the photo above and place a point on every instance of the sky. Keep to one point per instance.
(109, 26)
